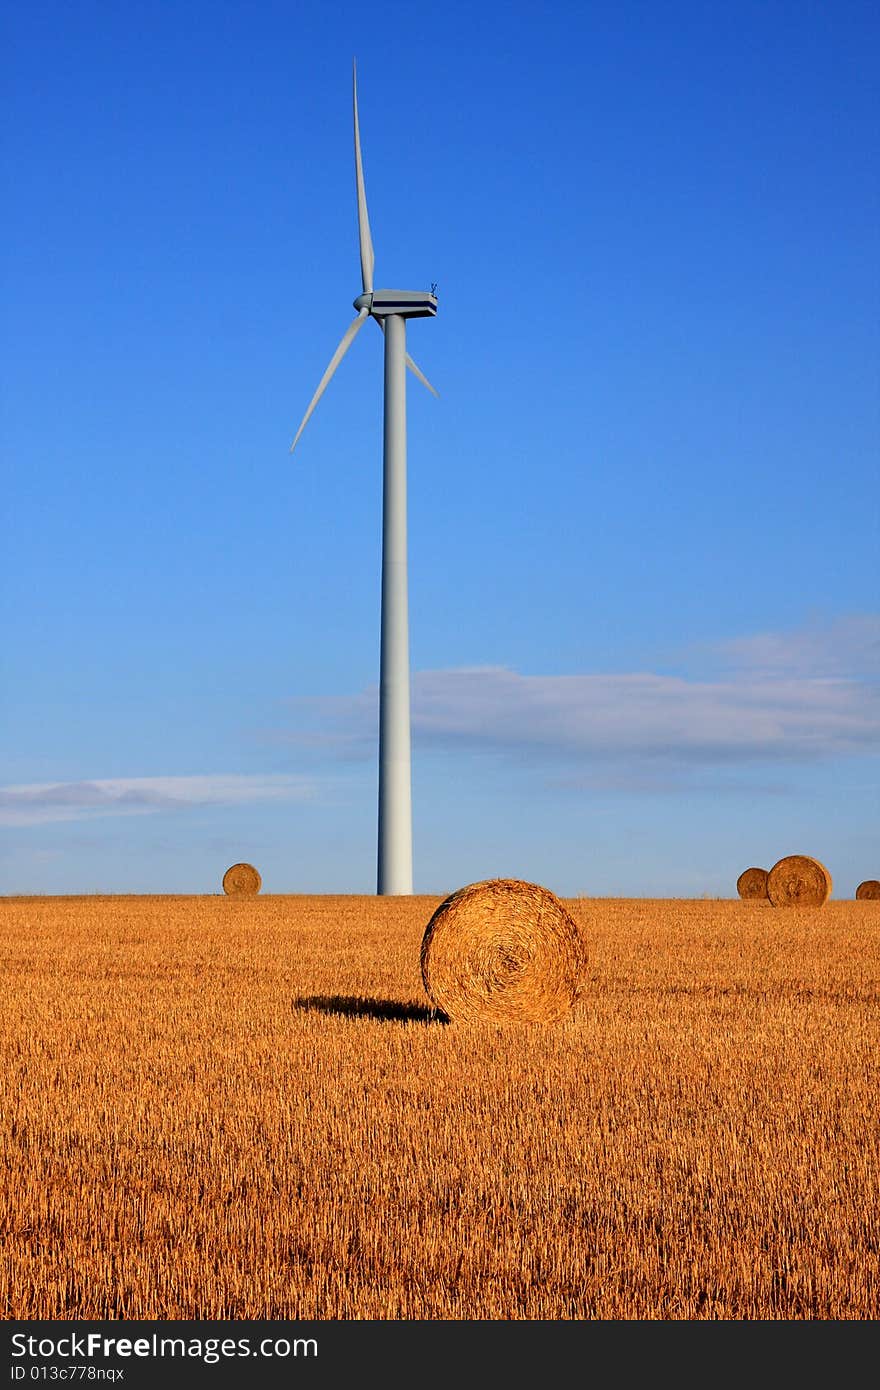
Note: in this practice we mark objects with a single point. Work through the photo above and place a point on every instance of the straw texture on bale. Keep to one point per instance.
(502, 951)
(752, 884)
(869, 889)
(241, 881)
(798, 881)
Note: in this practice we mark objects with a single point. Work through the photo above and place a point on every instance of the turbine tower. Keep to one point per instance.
(390, 309)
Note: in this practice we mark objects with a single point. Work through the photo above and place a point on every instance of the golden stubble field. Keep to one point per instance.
(229, 1109)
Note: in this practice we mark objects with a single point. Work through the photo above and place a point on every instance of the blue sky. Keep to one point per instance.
(644, 514)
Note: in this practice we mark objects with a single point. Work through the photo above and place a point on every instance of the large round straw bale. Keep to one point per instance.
(241, 881)
(752, 884)
(502, 951)
(869, 889)
(798, 881)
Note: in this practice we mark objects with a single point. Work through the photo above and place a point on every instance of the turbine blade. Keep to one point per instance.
(368, 259)
(347, 340)
(414, 369)
(421, 376)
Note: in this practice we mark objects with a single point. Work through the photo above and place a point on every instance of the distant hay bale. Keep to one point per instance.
(752, 884)
(798, 881)
(242, 881)
(869, 889)
(502, 951)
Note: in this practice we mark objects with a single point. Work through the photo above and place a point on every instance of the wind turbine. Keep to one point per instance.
(390, 309)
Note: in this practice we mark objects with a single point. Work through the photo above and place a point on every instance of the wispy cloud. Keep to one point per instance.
(782, 698)
(613, 716)
(38, 803)
(848, 646)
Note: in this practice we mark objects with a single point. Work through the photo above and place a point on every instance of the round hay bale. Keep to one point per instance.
(241, 881)
(798, 881)
(752, 884)
(869, 889)
(502, 951)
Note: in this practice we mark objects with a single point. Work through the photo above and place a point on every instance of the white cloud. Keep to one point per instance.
(782, 698)
(844, 646)
(642, 715)
(622, 715)
(40, 802)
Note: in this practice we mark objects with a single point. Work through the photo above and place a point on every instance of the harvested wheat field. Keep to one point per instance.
(228, 1108)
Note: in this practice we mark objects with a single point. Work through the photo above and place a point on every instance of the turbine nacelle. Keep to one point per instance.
(409, 304)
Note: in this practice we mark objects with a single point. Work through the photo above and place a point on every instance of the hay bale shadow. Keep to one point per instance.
(358, 1006)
